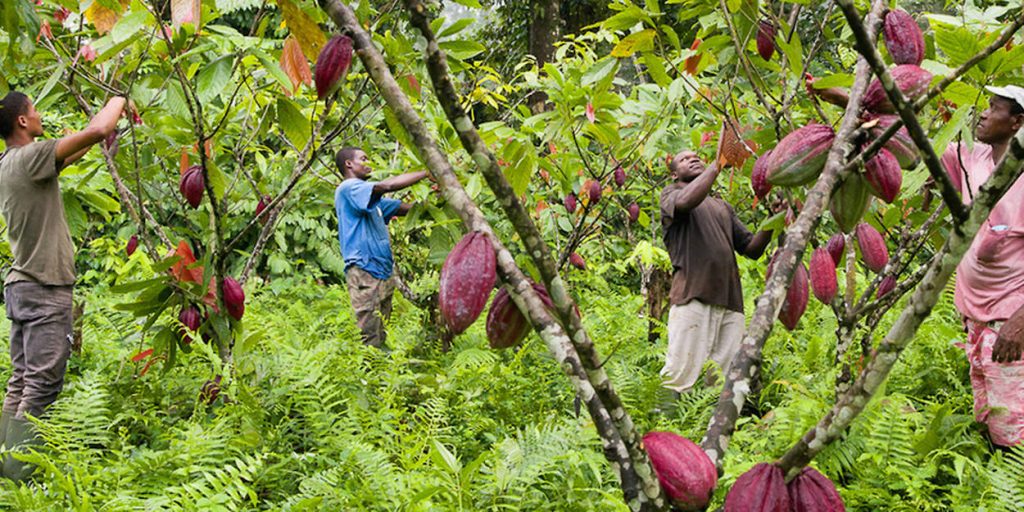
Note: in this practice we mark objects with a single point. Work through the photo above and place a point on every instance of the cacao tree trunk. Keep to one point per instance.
(544, 31)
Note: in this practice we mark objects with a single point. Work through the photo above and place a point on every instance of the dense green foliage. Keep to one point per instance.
(313, 420)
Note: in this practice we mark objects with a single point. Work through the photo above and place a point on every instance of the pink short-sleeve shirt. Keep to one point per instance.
(990, 278)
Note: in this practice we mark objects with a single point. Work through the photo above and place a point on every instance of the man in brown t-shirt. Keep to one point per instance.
(701, 234)
(38, 288)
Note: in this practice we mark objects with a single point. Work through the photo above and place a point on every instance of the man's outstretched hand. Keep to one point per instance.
(1009, 345)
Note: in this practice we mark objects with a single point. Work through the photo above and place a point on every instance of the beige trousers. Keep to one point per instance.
(697, 332)
(371, 300)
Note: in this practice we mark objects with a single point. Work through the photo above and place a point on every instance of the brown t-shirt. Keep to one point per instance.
(31, 204)
(701, 245)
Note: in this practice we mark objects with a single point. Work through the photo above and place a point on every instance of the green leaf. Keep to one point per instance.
(295, 125)
(626, 19)
(656, 69)
(475, 4)
(461, 49)
(138, 285)
(775, 223)
(958, 43)
(635, 42)
(456, 27)
(273, 68)
(213, 78)
(599, 70)
(129, 25)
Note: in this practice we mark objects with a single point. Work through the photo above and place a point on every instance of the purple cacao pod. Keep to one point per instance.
(570, 203)
(887, 285)
(884, 175)
(873, 251)
(331, 65)
(800, 156)
(133, 244)
(836, 247)
(812, 491)
(192, 185)
(634, 212)
(684, 471)
(762, 489)
(759, 176)
(909, 78)
(766, 39)
(903, 38)
(234, 297)
(824, 282)
(467, 278)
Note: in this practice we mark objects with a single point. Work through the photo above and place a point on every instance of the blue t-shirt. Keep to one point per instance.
(363, 227)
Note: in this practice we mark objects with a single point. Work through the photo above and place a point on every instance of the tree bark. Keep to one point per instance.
(636, 479)
(544, 31)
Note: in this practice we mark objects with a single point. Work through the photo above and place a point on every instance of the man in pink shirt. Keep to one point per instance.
(990, 278)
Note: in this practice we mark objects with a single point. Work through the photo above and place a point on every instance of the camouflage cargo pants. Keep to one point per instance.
(371, 300)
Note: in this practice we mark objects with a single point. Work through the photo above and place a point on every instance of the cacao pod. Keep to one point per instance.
(884, 175)
(850, 202)
(331, 65)
(234, 297)
(634, 212)
(887, 285)
(900, 144)
(570, 202)
(210, 390)
(766, 39)
(836, 247)
(684, 471)
(824, 282)
(192, 185)
(800, 156)
(762, 489)
(594, 190)
(619, 177)
(506, 325)
(467, 278)
(261, 206)
(909, 78)
(577, 261)
(812, 491)
(133, 244)
(759, 176)
(873, 251)
(190, 317)
(903, 38)
(796, 299)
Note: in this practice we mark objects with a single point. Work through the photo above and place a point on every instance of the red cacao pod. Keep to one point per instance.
(850, 202)
(766, 39)
(133, 244)
(759, 176)
(190, 317)
(884, 176)
(684, 471)
(836, 247)
(824, 282)
(762, 489)
(507, 326)
(619, 177)
(331, 65)
(192, 185)
(570, 203)
(234, 297)
(210, 390)
(796, 299)
(800, 156)
(467, 278)
(261, 206)
(873, 251)
(577, 261)
(812, 491)
(887, 285)
(594, 191)
(903, 38)
(909, 78)
(634, 212)
(900, 144)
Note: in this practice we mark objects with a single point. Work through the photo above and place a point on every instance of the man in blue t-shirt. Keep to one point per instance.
(363, 215)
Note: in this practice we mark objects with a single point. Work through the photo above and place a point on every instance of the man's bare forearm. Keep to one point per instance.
(758, 244)
(697, 190)
(399, 182)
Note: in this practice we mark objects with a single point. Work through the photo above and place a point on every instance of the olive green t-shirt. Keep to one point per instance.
(31, 204)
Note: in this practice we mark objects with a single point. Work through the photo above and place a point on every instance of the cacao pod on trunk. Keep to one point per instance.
(800, 156)
(620, 177)
(812, 491)
(570, 203)
(873, 251)
(634, 212)
(684, 471)
(331, 65)
(824, 282)
(133, 244)
(887, 285)
(836, 247)
(903, 38)
(234, 297)
(507, 326)
(762, 489)
(467, 278)
(850, 202)
(909, 78)
(759, 176)
(192, 185)
(884, 175)
(577, 261)
(796, 299)
(766, 39)
(900, 145)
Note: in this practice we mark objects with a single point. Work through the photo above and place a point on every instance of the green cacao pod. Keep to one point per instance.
(850, 202)
(911, 79)
(800, 156)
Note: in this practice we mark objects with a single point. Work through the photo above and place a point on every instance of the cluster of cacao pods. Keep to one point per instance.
(685, 472)
(332, 63)
(764, 489)
(824, 260)
(192, 185)
(467, 278)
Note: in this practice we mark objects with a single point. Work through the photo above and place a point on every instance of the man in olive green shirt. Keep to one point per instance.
(38, 288)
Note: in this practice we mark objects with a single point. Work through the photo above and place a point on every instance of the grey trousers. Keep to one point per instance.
(41, 338)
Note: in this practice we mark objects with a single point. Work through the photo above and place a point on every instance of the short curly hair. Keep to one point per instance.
(13, 105)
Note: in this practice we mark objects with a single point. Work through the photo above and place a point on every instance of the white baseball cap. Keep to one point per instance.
(1010, 92)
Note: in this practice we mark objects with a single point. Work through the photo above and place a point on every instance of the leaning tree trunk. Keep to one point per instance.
(640, 487)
